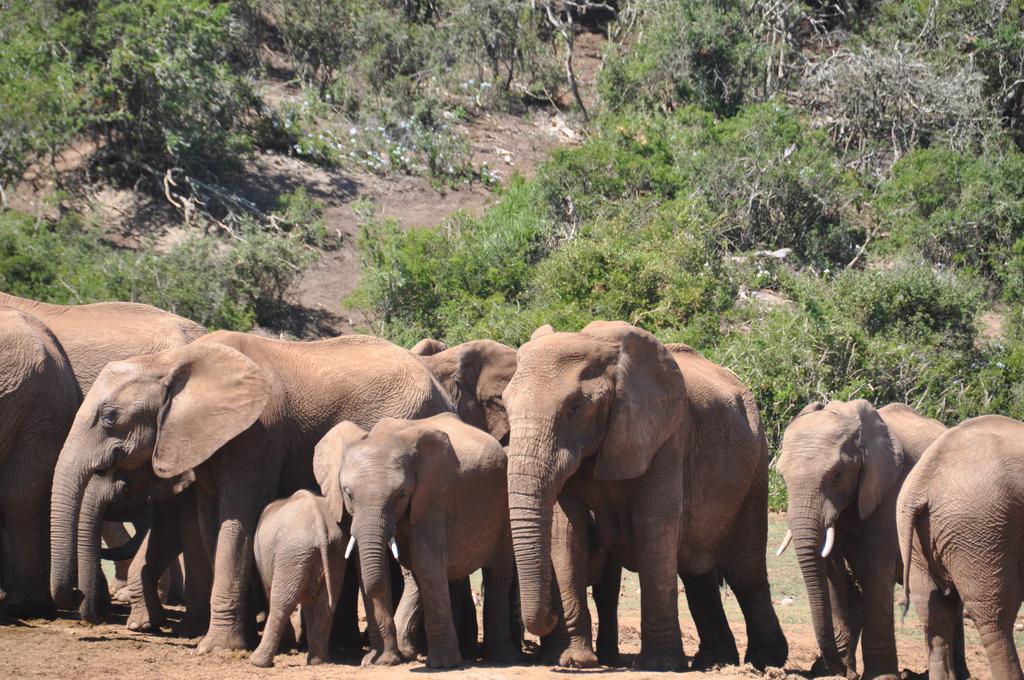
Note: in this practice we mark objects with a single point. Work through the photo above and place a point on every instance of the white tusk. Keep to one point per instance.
(830, 538)
(785, 543)
(351, 544)
(394, 547)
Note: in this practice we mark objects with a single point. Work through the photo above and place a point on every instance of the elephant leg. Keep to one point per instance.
(992, 602)
(409, 617)
(114, 534)
(381, 627)
(345, 633)
(959, 653)
(746, 572)
(198, 567)
(159, 549)
(464, 615)
(878, 644)
(938, 615)
(606, 598)
(717, 644)
(570, 644)
(318, 615)
(284, 599)
(27, 557)
(498, 639)
(847, 611)
(232, 625)
(657, 544)
(430, 563)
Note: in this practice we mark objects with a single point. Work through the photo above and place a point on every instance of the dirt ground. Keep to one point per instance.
(67, 648)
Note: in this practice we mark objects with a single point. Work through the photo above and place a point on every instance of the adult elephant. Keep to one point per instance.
(475, 375)
(38, 400)
(664, 452)
(92, 335)
(844, 465)
(239, 415)
(960, 519)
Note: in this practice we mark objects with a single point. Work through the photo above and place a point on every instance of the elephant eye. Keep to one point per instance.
(836, 477)
(348, 492)
(109, 417)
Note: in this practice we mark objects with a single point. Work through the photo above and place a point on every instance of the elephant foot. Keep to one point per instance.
(119, 592)
(140, 621)
(261, 659)
(21, 608)
(386, 658)
(221, 641)
(316, 660)
(707, 659)
(823, 668)
(444, 658)
(571, 653)
(609, 657)
(407, 648)
(507, 654)
(660, 661)
(773, 654)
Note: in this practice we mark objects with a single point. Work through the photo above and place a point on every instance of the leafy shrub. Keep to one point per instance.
(956, 209)
(220, 284)
(687, 52)
(437, 282)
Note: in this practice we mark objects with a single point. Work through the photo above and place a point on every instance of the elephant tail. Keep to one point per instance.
(324, 542)
(906, 521)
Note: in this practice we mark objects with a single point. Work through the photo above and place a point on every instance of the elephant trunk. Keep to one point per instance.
(531, 541)
(95, 598)
(371, 537)
(537, 468)
(808, 538)
(69, 482)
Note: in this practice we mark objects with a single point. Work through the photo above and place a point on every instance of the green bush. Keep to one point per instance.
(956, 209)
(700, 52)
(220, 284)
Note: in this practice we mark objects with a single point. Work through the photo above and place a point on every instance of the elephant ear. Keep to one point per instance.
(213, 394)
(648, 405)
(428, 347)
(327, 458)
(882, 459)
(436, 467)
(546, 329)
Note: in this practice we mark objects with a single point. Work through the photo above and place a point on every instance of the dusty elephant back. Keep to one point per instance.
(914, 431)
(315, 385)
(94, 334)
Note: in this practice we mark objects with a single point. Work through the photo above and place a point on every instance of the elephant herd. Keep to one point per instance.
(290, 476)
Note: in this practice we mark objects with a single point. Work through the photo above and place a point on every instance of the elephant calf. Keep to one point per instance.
(433, 490)
(300, 557)
(960, 518)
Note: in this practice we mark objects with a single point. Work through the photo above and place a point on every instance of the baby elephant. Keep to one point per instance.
(300, 555)
(433, 492)
(960, 518)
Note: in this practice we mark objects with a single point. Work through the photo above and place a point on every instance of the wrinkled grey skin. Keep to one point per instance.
(960, 519)
(239, 415)
(474, 374)
(844, 465)
(300, 555)
(664, 452)
(38, 399)
(436, 486)
(91, 336)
